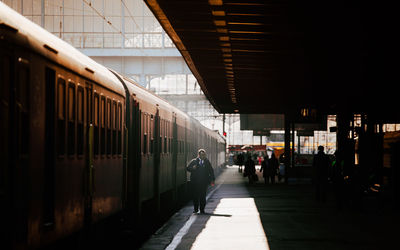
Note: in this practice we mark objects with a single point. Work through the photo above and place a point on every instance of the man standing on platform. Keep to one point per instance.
(321, 166)
(201, 175)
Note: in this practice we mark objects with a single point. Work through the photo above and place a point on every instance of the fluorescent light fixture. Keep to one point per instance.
(224, 38)
(241, 23)
(219, 22)
(218, 13)
(215, 2)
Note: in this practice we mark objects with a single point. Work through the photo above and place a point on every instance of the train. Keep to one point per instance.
(80, 143)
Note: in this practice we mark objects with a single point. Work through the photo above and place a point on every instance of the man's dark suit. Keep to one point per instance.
(201, 175)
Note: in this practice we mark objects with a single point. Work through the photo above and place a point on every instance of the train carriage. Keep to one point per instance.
(49, 188)
(81, 144)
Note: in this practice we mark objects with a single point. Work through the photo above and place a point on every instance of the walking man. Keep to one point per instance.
(201, 175)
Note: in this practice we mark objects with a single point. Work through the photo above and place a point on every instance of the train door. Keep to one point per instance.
(134, 158)
(174, 144)
(18, 146)
(5, 105)
(174, 153)
(89, 155)
(49, 155)
(156, 154)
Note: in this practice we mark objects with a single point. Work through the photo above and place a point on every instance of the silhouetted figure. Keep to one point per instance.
(321, 165)
(264, 169)
(249, 169)
(281, 172)
(201, 175)
(282, 158)
(273, 166)
(338, 179)
(240, 162)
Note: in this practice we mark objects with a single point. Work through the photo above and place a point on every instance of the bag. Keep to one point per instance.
(255, 177)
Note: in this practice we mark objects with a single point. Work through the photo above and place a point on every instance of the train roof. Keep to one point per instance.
(55, 49)
(142, 93)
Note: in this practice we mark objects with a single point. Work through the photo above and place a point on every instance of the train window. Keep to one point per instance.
(109, 120)
(103, 125)
(89, 101)
(142, 130)
(61, 116)
(22, 100)
(145, 144)
(96, 124)
(80, 99)
(119, 124)
(50, 148)
(159, 147)
(113, 127)
(80, 104)
(151, 133)
(146, 134)
(181, 147)
(96, 110)
(61, 99)
(71, 119)
(22, 87)
(169, 137)
(151, 145)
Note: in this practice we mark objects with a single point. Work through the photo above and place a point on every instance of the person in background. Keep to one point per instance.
(263, 169)
(338, 179)
(249, 169)
(321, 165)
(240, 161)
(274, 165)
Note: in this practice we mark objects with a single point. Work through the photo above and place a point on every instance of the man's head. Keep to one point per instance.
(320, 148)
(202, 154)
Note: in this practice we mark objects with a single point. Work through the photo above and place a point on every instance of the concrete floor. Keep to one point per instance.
(277, 217)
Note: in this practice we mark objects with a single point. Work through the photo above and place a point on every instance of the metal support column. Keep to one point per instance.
(298, 144)
(223, 124)
(287, 148)
(293, 146)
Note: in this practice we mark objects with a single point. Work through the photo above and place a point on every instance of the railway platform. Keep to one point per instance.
(279, 216)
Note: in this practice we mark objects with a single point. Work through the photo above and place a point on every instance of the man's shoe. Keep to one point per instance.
(195, 211)
(202, 212)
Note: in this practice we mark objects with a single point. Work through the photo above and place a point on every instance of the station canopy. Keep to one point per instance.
(269, 56)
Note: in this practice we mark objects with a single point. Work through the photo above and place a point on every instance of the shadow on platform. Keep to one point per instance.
(278, 216)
